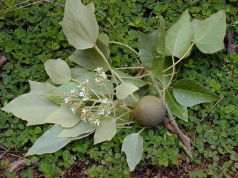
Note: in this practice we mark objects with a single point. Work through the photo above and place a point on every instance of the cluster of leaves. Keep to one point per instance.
(15, 82)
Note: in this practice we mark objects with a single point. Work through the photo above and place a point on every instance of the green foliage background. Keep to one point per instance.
(29, 36)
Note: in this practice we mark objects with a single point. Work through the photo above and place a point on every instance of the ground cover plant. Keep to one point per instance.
(159, 159)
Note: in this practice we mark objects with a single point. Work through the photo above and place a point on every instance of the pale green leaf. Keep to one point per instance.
(79, 72)
(104, 38)
(160, 46)
(40, 88)
(32, 107)
(189, 93)
(105, 131)
(55, 95)
(90, 58)
(159, 60)
(209, 33)
(133, 147)
(63, 117)
(125, 89)
(178, 110)
(79, 24)
(130, 79)
(147, 48)
(49, 142)
(179, 36)
(79, 129)
(58, 71)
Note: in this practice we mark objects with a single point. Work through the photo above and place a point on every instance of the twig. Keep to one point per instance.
(5, 152)
(212, 108)
(180, 58)
(184, 138)
(115, 42)
(124, 68)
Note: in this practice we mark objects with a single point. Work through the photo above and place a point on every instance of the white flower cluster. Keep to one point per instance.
(101, 76)
(77, 99)
(94, 114)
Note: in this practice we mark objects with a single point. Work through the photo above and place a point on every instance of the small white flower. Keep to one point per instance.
(83, 119)
(73, 91)
(79, 86)
(97, 122)
(103, 75)
(84, 111)
(73, 110)
(83, 89)
(97, 80)
(98, 69)
(81, 94)
(66, 100)
(101, 112)
(104, 100)
(85, 98)
(86, 81)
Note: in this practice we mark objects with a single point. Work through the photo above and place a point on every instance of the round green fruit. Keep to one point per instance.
(150, 111)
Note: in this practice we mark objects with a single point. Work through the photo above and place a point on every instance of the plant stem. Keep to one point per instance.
(141, 130)
(185, 54)
(124, 68)
(185, 139)
(172, 75)
(114, 74)
(130, 48)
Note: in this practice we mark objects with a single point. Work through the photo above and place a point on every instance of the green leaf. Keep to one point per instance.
(125, 89)
(49, 142)
(32, 107)
(160, 46)
(90, 58)
(133, 147)
(79, 24)
(106, 88)
(147, 48)
(105, 131)
(55, 95)
(179, 36)
(58, 71)
(78, 72)
(179, 111)
(188, 93)
(159, 60)
(152, 49)
(129, 79)
(209, 33)
(63, 117)
(79, 129)
(104, 38)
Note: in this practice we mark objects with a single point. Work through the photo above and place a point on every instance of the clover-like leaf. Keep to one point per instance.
(133, 147)
(125, 89)
(209, 33)
(32, 107)
(79, 129)
(179, 36)
(49, 142)
(188, 93)
(105, 131)
(58, 71)
(79, 24)
(178, 110)
(63, 117)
